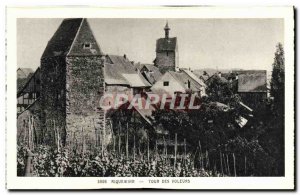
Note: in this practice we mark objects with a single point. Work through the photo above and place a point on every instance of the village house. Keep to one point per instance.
(28, 87)
(182, 81)
(60, 100)
(121, 76)
(23, 74)
(252, 87)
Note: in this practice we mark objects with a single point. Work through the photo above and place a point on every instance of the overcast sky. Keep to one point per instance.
(202, 43)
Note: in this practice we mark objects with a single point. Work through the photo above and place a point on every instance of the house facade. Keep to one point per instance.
(252, 87)
(183, 81)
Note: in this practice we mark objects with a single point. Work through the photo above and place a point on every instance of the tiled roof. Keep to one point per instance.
(135, 80)
(214, 77)
(23, 72)
(26, 85)
(164, 44)
(152, 74)
(204, 77)
(23, 75)
(120, 71)
(146, 113)
(184, 79)
(138, 66)
(194, 77)
(252, 80)
(65, 38)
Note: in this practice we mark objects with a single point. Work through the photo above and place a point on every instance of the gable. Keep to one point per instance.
(174, 85)
(84, 43)
(69, 39)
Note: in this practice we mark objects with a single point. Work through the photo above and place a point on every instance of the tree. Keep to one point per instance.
(277, 80)
(273, 138)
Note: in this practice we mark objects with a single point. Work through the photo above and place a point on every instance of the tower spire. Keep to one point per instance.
(167, 29)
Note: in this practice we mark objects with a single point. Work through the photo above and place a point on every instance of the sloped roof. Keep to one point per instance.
(166, 44)
(23, 76)
(216, 76)
(63, 38)
(252, 81)
(184, 79)
(23, 72)
(146, 113)
(26, 85)
(194, 77)
(138, 66)
(152, 74)
(72, 33)
(135, 80)
(120, 71)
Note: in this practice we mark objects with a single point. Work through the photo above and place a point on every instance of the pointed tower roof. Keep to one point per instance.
(167, 43)
(167, 26)
(73, 37)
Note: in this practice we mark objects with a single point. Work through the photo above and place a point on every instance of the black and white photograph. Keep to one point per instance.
(152, 101)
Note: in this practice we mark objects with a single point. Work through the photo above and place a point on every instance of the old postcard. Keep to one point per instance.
(153, 97)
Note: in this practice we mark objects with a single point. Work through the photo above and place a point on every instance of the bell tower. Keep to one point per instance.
(166, 52)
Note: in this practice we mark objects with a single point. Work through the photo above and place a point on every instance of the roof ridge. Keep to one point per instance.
(202, 83)
(75, 36)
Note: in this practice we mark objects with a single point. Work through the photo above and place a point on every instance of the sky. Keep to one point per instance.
(202, 43)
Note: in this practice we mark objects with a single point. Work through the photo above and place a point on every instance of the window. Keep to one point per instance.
(86, 46)
(166, 83)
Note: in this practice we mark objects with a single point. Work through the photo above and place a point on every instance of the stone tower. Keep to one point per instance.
(166, 52)
(72, 79)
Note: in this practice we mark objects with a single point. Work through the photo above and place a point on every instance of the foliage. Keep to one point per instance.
(277, 80)
(49, 162)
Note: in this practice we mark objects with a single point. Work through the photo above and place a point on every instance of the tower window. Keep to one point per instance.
(86, 45)
(166, 83)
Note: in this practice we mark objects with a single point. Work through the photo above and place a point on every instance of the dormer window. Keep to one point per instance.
(87, 45)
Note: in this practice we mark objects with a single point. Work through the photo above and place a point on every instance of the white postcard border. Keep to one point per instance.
(14, 182)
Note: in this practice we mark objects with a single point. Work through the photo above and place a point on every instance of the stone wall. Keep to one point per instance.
(53, 97)
(165, 61)
(84, 87)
